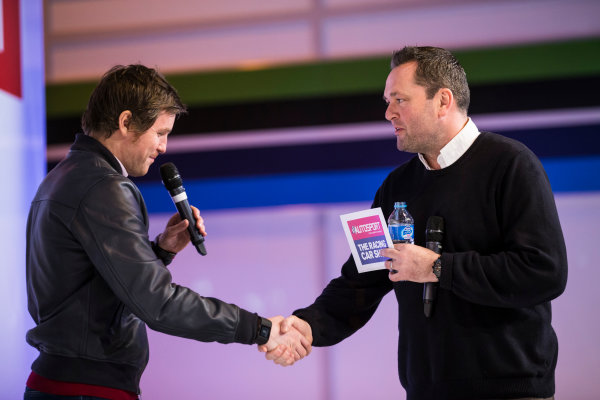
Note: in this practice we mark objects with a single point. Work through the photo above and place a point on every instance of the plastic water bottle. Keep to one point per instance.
(401, 224)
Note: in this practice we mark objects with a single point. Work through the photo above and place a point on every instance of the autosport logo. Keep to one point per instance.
(366, 228)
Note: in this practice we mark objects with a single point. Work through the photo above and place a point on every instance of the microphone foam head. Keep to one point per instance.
(435, 229)
(170, 176)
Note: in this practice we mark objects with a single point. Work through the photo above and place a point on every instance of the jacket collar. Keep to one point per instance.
(88, 143)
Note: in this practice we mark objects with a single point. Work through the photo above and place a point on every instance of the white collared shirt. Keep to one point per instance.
(456, 147)
(123, 170)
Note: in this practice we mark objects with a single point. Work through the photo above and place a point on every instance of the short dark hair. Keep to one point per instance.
(436, 68)
(142, 90)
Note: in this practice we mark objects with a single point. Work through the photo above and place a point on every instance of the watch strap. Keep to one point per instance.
(437, 268)
(264, 331)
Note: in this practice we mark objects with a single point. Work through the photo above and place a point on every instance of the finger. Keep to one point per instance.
(295, 342)
(175, 219)
(262, 348)
(302, 326)
(290, 360)
(285, 359)
(299, 351)
(394, 276)
(199, 220)
(306, 344)
(276, 353)
(389, 265)
(286, 325)
(178, 227)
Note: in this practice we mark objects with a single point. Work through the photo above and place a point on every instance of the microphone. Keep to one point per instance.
(172, 181)
(433, 241)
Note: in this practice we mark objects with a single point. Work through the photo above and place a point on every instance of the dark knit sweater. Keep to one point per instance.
(504, 259)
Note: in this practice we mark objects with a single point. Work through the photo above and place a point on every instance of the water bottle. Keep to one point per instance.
(401, 224)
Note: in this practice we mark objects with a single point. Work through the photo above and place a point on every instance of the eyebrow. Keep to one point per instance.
(164, 131)
(393, 94)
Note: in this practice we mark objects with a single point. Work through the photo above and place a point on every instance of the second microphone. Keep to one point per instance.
(433, 241)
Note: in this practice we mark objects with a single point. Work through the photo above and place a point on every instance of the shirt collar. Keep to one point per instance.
(123, 170)
(456, 147)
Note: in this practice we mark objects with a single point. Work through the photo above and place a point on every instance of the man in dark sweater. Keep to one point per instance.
(503, 259)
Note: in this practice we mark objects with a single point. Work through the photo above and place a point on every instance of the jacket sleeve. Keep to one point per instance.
(529, 266)
(111, 223)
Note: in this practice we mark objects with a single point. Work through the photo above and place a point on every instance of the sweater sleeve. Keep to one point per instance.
(115, 238)
(347, 303)
(529, 265)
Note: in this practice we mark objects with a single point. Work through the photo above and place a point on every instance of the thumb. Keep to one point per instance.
(302, 326)
(180, 226)
(287, 324)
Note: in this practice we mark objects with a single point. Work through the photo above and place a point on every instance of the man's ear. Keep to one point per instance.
(445, 101)
(124, 121)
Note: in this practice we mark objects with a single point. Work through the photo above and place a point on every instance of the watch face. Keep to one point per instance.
(264, 331)
(437, 268)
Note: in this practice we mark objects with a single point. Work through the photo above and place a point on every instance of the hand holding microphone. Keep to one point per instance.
(415, 263)
(174, 184)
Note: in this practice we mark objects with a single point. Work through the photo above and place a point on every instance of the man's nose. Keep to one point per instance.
(389, 113)
(162, 146)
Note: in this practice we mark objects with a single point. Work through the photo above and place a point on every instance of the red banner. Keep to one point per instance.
(10, 48)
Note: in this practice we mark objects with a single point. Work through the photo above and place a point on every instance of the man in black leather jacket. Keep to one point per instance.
(94, 278)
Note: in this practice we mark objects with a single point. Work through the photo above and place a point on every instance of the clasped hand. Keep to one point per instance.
(290, 340)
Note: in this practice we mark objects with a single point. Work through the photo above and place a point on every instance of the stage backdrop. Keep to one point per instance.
(272, 260)
(22, 145)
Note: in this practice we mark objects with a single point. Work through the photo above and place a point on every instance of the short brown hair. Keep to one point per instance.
(142, 90)
(436, 68)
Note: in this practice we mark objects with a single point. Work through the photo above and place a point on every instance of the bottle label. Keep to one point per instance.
(402, 233)
(408, 232)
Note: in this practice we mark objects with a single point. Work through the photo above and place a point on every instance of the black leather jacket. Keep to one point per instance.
(94, 279)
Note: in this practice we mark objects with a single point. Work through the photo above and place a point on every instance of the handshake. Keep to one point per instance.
(290, 340)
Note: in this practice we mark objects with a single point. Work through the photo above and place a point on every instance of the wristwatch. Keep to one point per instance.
(264, 331)
(437, 268)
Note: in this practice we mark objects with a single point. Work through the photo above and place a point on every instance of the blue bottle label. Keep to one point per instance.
(402, 233)
(407, 232)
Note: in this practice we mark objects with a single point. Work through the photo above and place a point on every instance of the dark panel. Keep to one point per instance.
(522, 96)
(546, 143)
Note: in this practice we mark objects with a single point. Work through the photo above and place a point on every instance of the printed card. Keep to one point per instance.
(367, 233)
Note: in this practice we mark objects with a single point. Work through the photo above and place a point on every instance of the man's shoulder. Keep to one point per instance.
(499, 143)
(75, 176)
(492, 151)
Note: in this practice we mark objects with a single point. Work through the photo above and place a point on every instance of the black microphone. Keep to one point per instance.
(433, 241)
(174, 184)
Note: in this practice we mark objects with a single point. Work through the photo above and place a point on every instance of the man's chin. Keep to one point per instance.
(400, 146)
(404, 148)
(137, 174)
